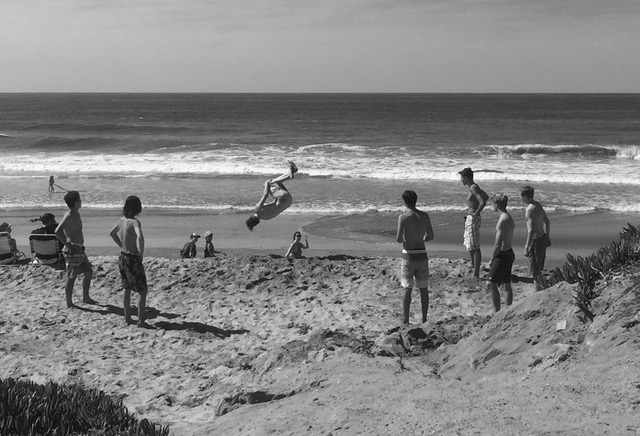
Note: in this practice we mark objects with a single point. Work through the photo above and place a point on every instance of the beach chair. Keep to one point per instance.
(45, 249)
(7, 255)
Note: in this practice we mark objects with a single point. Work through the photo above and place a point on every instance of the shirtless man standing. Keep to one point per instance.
(414, 229)
(127, 234)
(476, 201)
(538, 230)
(503, 255)
(69, 232)
(281, 198)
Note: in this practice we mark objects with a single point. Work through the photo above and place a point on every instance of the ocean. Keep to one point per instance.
(356, 152)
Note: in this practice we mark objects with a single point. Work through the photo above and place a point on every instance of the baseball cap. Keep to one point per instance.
(5, 227)
(195, 235)
(47, 217)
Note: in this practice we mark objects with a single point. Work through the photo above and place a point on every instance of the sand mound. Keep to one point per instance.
(261, 345)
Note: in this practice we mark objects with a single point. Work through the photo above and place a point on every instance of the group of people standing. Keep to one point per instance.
(414, 229)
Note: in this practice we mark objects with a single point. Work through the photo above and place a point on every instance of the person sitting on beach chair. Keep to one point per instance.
(9, 252)
(281, 198)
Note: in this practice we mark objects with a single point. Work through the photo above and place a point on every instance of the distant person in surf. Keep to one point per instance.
(52, 183)
(538, 230)
(476, 201)
(281, 198)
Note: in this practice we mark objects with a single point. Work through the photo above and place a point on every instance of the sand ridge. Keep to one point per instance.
(262, 345)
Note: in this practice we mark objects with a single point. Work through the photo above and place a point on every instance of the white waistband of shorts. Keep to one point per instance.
(416, 251)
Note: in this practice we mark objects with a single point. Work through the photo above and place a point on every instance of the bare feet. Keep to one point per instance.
(293, 167)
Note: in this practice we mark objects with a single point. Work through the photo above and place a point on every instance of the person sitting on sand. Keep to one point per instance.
(538, 239)
(69, 232)
(281, 198)
(476, 201)
(209, 250)
(414, 229)
(127, 234)
(295, 249)
(503, 256)
(189, 250)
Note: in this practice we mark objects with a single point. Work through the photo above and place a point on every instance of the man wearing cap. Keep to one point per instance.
(476, 201)
(189, 249)
(49, 224)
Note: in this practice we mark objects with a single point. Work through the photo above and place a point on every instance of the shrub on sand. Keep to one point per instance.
(27, 409)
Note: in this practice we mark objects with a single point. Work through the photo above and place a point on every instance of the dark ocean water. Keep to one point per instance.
(356, 152)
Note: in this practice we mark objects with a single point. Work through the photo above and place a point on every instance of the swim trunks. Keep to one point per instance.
(501, 267)
(538, 254)
(414, 265)
(471, 239)
(77, 261)
(132, 272)
(279, 192)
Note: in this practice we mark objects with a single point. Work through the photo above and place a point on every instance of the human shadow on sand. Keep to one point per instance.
(198, 327)
(110, 309)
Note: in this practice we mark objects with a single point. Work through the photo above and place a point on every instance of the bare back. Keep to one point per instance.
(414, 228)
(536, 218)
(71, 228)
(504, 232)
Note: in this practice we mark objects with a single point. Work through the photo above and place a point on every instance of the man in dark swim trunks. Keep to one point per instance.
(281, 198)
(503, 256)
(538, 231)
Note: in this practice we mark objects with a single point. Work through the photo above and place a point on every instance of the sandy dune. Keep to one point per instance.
(255, 345)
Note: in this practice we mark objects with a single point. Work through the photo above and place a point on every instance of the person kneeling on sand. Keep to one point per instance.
(127, 234)
(209, 249)
(414, 229)
(295, 249)
(503, 255)
(281, 198)
(69, 232)
(189, 250)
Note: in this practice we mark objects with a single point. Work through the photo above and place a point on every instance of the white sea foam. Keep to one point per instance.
(332, 160)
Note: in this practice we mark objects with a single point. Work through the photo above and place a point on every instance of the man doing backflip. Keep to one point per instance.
(414, 229)
(476, 201)
(281, 198)
(503, 255)
(538, 230)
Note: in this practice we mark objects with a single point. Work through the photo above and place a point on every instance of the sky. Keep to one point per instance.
(320, 46)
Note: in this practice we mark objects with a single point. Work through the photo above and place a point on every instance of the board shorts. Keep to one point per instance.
(471, 239)
(280, 193)
(538, 255)
(132, 273)
(500, 271)
(414, 269)
(77, 261)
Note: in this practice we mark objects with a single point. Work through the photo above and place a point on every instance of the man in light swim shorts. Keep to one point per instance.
(538, 231)
(476, 201)
(503, 256)
(281, 198)
(414, 229)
